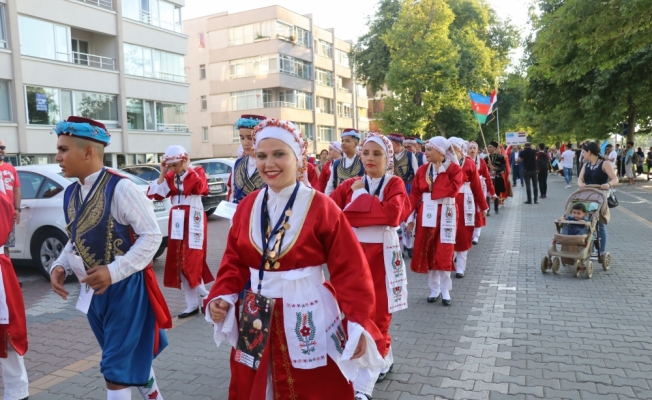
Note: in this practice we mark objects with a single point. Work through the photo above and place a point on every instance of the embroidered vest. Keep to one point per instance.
(242, 183)
(403, 167)
(340, 174)
(100, 238)
(421, 159)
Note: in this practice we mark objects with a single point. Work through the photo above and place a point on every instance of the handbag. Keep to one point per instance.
(612, 201)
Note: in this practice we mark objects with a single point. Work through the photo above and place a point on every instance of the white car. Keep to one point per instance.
(217, 167)
(41, 234)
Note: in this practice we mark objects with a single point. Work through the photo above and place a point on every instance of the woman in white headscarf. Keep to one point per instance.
(374, 205)
(280, 238)
(435, 216)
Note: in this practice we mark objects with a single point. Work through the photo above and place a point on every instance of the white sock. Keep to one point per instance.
(201, 289)
(476, 234)
(150, 391)
(190, 294)
(122, 394)
(433, 283)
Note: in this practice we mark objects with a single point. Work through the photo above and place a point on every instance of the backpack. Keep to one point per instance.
(635, 158)
(542, 162)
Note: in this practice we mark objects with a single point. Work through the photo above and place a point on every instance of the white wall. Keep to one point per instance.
(41, 72)
(156, 38)
(70, 13)
(152, 89)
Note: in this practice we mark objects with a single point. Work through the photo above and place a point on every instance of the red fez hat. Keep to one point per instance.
(251, 116)
(89, 121)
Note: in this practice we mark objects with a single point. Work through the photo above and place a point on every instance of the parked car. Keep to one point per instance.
(41, 234)
(216, 186)
(217, 167)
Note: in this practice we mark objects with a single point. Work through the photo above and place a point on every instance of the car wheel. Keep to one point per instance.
(160, 251)
(46, 249)
(210, 211)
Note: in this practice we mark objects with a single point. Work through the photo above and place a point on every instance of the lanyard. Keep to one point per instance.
(82, 202)
(432, 176)
(380, 186)
(177, 179)
(280, 225)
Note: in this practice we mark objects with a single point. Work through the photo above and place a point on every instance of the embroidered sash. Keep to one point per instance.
(469, 204)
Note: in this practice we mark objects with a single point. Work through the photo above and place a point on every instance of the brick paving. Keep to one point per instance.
(511, 332)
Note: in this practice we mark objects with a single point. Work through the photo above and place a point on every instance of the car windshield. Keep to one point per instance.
(133, 178)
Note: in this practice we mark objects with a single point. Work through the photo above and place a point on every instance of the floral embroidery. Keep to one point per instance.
(339, 338)
(305, 331)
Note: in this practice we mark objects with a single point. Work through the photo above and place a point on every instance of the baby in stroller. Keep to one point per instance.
(578, 214)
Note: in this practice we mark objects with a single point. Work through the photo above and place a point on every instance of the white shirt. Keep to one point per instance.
(516, 157)
(163, 189)
(567, 158)
(346, 162)
(251, 166)
(612, 158)
(129, 206)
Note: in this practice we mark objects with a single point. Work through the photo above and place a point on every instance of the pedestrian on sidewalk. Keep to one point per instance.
(620, 161)
(434, 217)
(280, 238)
(517, 167)
(113, 238)
(641, 161)
(185, 263)
(567, 158)
(375, 205)
(487, 190)
(528, 158)
(497, 167)
(611, 155)
(629, 162)
(543, 166)
(649, 163)
(597, 172)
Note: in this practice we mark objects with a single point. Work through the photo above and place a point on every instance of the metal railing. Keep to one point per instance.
(283, 104)
(93, 60)
(343, 90)
(108, 4)
(170, 77)
(146, 17)
(172, 127)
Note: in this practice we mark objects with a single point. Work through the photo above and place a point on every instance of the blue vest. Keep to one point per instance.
(242, 183)
(99, 237)
(421, 159)
(340, 173)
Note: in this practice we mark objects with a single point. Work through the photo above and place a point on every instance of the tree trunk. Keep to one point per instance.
(631, 122)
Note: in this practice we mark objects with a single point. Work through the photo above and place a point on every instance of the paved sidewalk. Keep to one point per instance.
(511, 332)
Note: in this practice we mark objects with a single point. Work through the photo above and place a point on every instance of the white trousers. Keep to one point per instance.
(192, 301)
(476, 234)
(440, 283)
(366, 379)
(14, 375)
(460, 261)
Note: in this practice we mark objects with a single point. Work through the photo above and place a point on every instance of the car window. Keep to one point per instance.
(49, 189)
(30, 184)
(214, 168)
(152, 174)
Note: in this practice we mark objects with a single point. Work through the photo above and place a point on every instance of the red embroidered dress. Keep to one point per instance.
(471, 179)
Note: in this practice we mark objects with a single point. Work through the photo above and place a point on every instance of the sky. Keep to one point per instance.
(348, 17)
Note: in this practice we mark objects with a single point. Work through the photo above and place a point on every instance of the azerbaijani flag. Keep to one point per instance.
(481, 106)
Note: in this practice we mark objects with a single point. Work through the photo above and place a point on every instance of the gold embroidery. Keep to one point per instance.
(402, 170)
(349, 172)
(243, 181)
(280, 330)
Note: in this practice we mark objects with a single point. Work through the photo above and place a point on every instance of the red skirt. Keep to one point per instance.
(376, 260)
(15, 333)
(429, 253)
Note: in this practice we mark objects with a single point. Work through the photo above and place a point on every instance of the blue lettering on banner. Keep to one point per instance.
(41, 102)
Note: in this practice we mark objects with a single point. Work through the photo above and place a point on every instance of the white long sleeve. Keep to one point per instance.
(329, 186)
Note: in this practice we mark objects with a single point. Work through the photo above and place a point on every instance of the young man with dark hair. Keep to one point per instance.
(543, 165)
(528, 159)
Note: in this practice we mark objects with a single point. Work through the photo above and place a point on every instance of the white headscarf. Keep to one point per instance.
(459, 144)
(337, 146)
(288, 133)
(443, 146)
(384, 142)
(175, 154)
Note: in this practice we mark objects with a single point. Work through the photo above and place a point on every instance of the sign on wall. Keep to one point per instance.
(41, 102)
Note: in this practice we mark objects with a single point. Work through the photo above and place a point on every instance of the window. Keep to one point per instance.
(303, 37)
(362, 113)
(294, 66)
(49, 189)
(324, 48)
(140, 115)
(325, 134)
(201, 43)
(47, 106)
(3, 28)
(154, 12)
(80, 51)
(295, 99)
(202, 71)
(250, 33)
(171, 117)
(44, 39)
(152, 63)
(342, 58)
(5, 104)
(324, 105)
(30, 183)
(204, 103)
(340, 84)
(246, 100)
(344, 110)
(284, 30)
(204, 133)
(306, 129)
(362, 90)
(323, 77)
(253, 66)
(235, 135)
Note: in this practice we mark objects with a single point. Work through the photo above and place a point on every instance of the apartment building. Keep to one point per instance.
(273, 62)
(117, 61)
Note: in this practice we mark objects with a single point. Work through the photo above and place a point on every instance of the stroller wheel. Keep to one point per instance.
(556, 264)
(578, 268)
(606, 261)
(589, 269)
(545, 261)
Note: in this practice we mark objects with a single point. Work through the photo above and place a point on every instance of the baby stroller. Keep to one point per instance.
(575, 250)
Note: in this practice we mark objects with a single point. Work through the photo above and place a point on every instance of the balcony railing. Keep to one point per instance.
(170, 77)
(147, 18)
(108, 4)
(93, 60)
(343, 90)
(283, 104)
(172, 127)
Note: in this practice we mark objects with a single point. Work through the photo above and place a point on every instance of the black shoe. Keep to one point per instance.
(433, 299)
(446, 302)
(189, 314)
(459, 276)
(474, 242)
(496, 212)
(536, 201)
(528, 202)
(522, 184)
(362, 396)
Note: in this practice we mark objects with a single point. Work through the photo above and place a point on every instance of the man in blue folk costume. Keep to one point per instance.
(244, 177)
(350, 165)
(113, 237)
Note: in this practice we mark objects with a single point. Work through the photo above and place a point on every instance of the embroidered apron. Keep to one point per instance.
(469, 204)
(447, 225)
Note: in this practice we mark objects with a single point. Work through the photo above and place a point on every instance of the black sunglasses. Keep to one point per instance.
(3, 147)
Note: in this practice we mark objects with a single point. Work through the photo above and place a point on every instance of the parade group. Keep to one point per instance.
(294, 334)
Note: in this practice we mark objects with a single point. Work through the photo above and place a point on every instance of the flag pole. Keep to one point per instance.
(498, 124)
(482, 133)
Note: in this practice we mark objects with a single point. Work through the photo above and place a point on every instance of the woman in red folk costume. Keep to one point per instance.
(280, 238)
(435, 216)
(469, 199)
(334, 153)
(487, 189)
(185, 263)
(374, 205)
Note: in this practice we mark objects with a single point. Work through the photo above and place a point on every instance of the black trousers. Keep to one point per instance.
(543, 183)
(531, 177)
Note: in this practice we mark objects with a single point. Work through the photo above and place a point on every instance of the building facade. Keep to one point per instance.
(117, 61)
(272, 62)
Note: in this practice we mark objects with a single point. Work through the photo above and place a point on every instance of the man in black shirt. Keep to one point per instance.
(543, 162)
(528, 158)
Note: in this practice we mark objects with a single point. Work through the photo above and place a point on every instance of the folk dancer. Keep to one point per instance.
(497, 168)
(280, 238)
(185, 263)
(13, 325)
(349, 166)
(412, 145)
(405, 166)
(434, 214)
(487, 188)
(468, 199)
(334, 153)
(374, 205)
(244, 177)
(113, 237)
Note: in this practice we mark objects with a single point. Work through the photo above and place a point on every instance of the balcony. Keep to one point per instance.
(107, 4)
(147, 18)
(172, 128)
(93, 60)
(283, 104)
